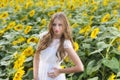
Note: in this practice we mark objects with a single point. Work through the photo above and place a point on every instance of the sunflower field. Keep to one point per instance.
(95, 26)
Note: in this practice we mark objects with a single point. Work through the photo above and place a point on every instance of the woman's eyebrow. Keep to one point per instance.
(54, 24)
(60, 24)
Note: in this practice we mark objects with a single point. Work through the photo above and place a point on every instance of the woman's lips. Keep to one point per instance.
(56, 31)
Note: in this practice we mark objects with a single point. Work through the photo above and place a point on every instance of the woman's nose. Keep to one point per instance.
(57, 27)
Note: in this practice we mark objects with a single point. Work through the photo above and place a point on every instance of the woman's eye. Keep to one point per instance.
(60, 24)
(54, 24)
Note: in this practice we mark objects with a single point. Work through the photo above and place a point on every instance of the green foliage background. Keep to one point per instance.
(100, 55)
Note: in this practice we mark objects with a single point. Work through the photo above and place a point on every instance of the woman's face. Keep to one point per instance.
(57, 27)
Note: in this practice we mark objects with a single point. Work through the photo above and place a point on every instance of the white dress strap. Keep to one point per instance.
(67, 44)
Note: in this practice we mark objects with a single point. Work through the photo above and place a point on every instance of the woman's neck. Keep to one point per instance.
(56, 37)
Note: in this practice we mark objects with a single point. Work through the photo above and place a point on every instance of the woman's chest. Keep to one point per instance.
(49, 54)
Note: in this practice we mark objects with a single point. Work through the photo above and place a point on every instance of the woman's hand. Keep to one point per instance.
(54, 73)
(35, 79)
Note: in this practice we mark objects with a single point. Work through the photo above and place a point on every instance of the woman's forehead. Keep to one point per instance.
(57, 20)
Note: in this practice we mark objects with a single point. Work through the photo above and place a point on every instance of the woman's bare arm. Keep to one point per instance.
(35, 66)
(75, 58)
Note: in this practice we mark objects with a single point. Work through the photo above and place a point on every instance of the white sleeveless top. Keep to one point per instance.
(48, 60)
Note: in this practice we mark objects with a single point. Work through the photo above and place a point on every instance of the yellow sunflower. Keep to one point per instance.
(17, 8)
(105, 18)
(11, 25)
(18, 27)
(112, 77)
(19, 62)
(32, 12)
(2, 32)
(2, 5)
(28, 51)
(4, 15)
(94, 33)
(119, 47)
(27, 29)
(18, 75)
(74, 25)
(62, 66)
(32, 39)
(85, 30)
(76, 46)
(43, 21)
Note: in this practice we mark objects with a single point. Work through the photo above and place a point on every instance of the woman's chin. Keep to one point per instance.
(57, 34)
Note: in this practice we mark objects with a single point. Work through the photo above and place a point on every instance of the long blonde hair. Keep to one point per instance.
(47, 39)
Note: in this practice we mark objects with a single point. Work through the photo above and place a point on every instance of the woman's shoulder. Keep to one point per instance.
(67, 43)
(42, 33)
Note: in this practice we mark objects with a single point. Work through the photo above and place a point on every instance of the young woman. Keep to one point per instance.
(53, 47)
